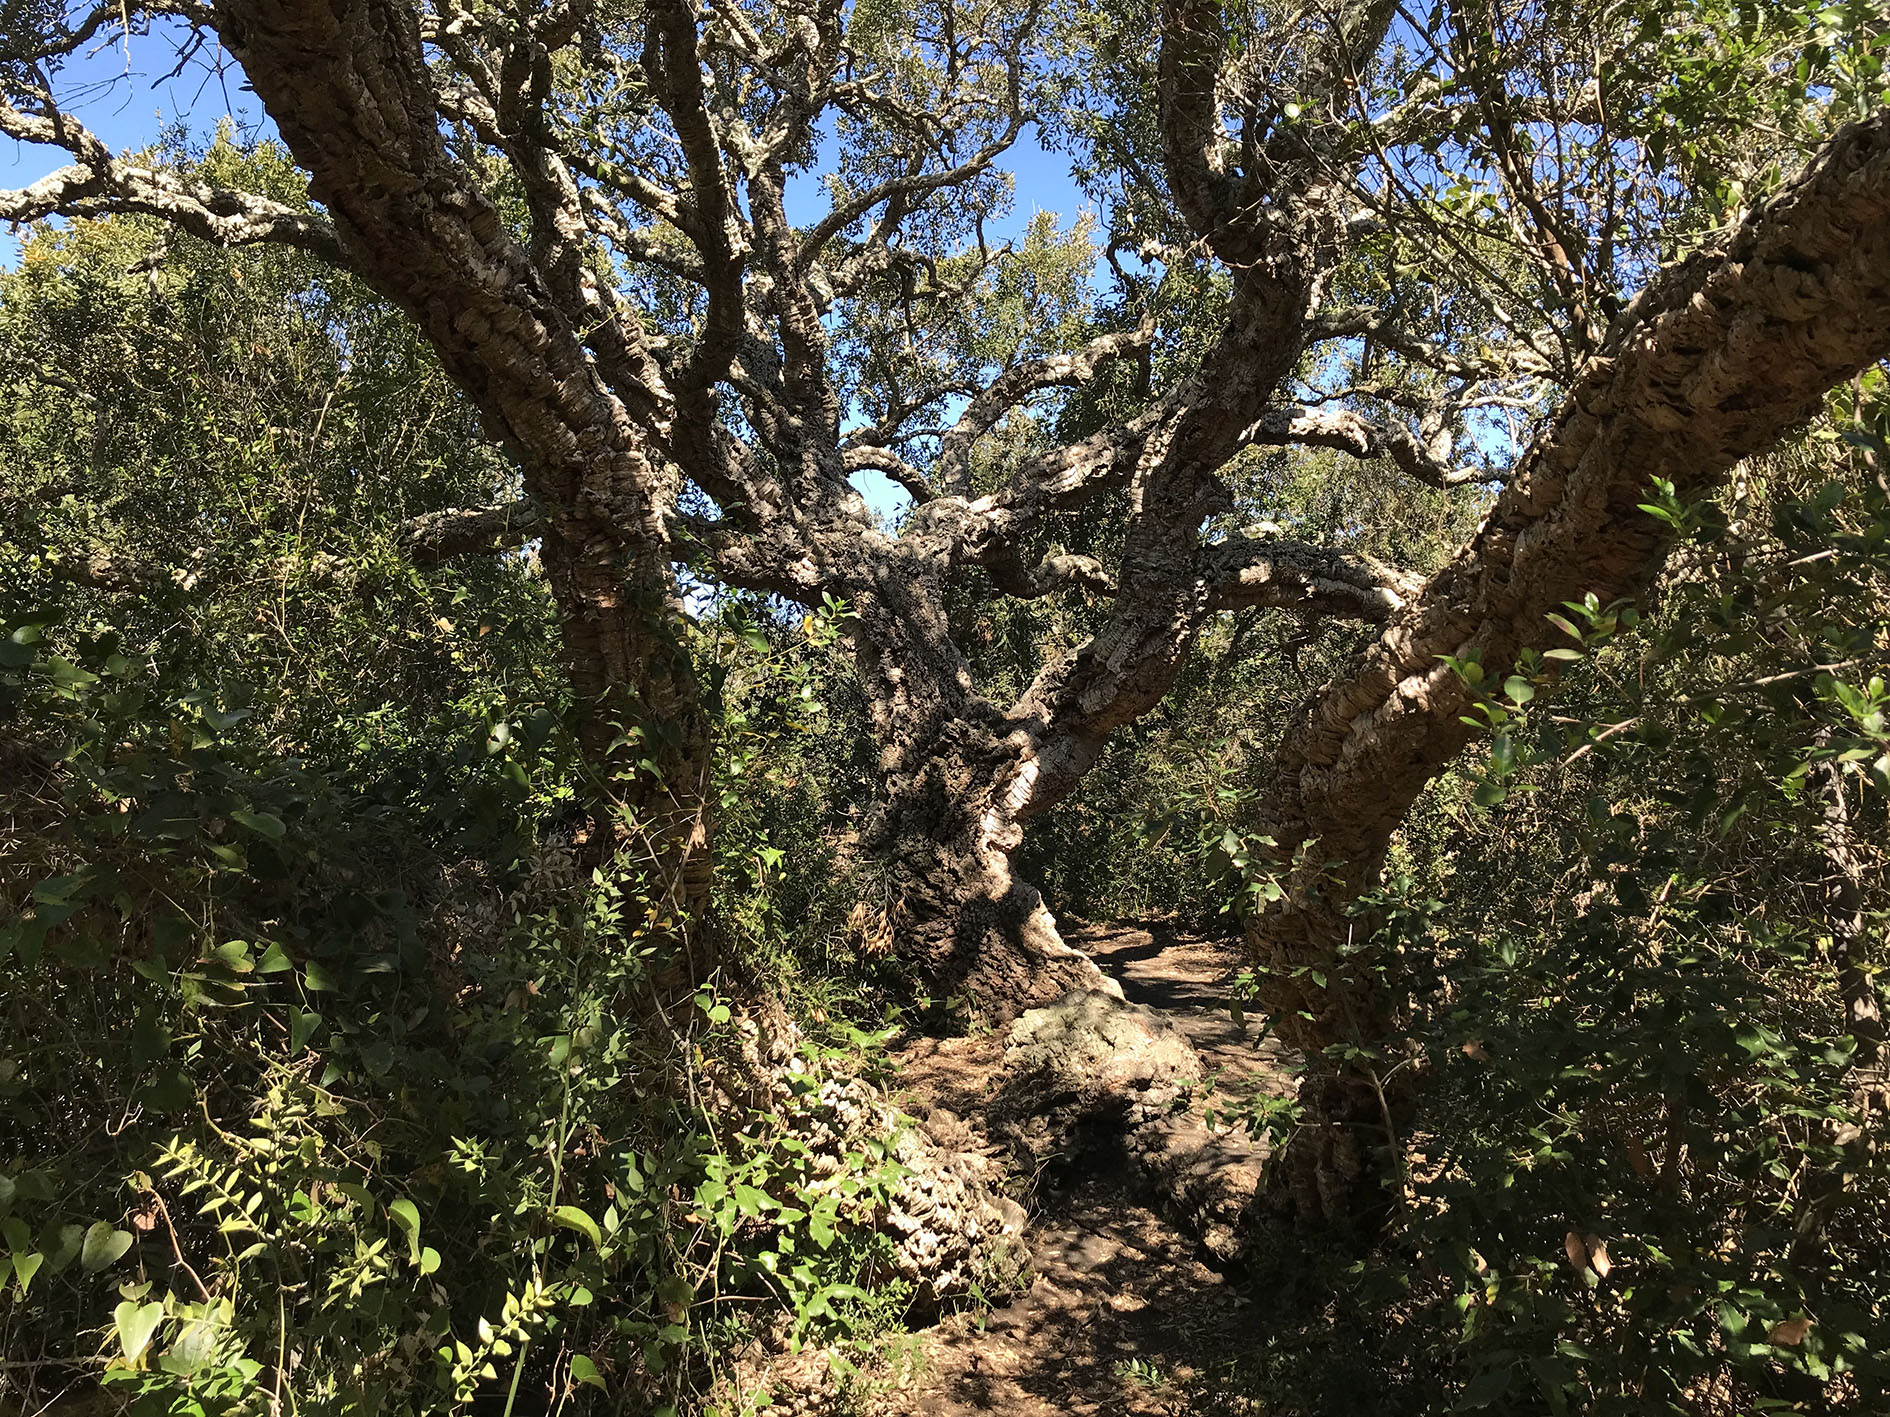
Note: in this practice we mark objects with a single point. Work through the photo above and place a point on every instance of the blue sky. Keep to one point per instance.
(126, 93)
(129, 91)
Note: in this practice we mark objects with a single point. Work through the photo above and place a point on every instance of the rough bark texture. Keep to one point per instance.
(1846, 897)
(349, 88)
(671, 161)
(1711, 364)
(402, 114)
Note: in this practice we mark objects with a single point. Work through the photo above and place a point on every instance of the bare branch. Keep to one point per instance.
(914, 184)
(1055, 572)
(864, 456)
(1347, 432)
(1363, 322)
(1264, 570)
(99, 184)
(1019, 382)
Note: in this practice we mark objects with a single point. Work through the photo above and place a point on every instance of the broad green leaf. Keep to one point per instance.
(572, 1218)
(302, 1026)
(583, 1370)
(25, 1266)
(103, 1247)
(262, 823)
(61, 1244)
(406, 1215)
(195, 1344)
(136, 1324)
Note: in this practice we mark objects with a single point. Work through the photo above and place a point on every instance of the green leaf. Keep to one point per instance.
(820, 1222)
(583, 1370)
(194, 1346)
(1485, 1388)
(302, 1026)
(25, 1266)
(103, 1247)
(68, 675)
(572, 1218)
(170, 1090)
(61, 1244)
(61, 890)
(136, 1324)
(274, 961)
(262, 823)
(752, 1201)
(406, 1215)
(429, 1260)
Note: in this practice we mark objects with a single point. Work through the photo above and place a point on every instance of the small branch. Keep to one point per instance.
(1019, 382)
(1056, 572)
(434, 537)
(99, 184)
(864, 456)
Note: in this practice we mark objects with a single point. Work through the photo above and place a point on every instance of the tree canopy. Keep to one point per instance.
(607, 538)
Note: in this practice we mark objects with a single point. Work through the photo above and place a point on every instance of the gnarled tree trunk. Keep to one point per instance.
(966, 923)
(1715, 360)
(349, 88)
(956, 776)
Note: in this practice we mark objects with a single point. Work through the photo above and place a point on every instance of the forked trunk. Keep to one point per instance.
(957, 775)
(963, 921)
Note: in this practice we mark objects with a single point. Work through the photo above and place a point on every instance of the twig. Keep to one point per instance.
(176, 1249)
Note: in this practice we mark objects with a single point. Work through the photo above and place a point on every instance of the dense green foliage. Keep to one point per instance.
(1645, 1178)
(342, 1070)
(324, 1053)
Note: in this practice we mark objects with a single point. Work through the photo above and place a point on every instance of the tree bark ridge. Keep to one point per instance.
(1712, 363)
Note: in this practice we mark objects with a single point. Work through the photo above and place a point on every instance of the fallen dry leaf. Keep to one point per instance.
(1791, 1332)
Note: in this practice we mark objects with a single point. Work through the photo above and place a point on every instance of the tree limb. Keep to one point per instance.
(1711, 364)
(1292, 575)
(99, 184)
(434, 537)
(1018, 383)
(1345, 431)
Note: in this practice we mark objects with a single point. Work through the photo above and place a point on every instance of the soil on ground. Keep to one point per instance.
(1122, 1313)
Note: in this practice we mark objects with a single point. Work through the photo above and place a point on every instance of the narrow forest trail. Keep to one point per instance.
(1122, 1314)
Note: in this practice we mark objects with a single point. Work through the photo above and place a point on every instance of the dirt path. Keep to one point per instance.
(1122, 1314)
